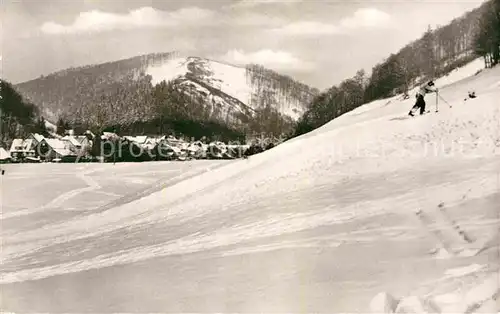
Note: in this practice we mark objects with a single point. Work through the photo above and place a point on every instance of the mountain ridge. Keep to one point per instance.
(126, 91)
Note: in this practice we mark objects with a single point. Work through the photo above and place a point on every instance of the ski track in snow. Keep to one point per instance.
(277, 225)
(61, 199)
(419, 157)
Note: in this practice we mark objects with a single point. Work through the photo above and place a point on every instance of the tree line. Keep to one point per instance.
(436, 53)
(487, 40)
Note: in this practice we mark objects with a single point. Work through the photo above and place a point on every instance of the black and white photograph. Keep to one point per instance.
(250, 156)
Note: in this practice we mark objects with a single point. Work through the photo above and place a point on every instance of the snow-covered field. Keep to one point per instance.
(321, 223)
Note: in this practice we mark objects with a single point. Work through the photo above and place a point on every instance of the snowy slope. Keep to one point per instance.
(320, 223)
(464, 72)
(230, 88)
(226, 78)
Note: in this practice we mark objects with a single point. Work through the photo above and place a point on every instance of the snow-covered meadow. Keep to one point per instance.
(321, 223)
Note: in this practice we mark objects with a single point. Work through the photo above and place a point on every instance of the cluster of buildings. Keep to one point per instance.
(146, 148)
(113, 148)
(37, 148)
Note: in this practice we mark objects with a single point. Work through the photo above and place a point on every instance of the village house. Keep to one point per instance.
(197, 149)
(175, 142)
(142, 141)
(84, 141)
(4, 156)
(23, 150)
(51, 149)
(37, 138)
(71, 144)
(79, 145)
(109, 136)
(141, 148)
(170, 149)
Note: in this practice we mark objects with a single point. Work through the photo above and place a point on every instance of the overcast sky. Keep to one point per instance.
(318, 42)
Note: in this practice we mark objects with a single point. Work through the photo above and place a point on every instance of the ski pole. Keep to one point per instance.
(444, 100)
(437, 107)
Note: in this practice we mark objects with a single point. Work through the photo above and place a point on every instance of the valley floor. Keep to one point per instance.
(290, 254)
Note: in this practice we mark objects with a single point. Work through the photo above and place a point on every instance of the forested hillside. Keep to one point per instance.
(436, 53)
(137, 107)
(18, 117)
(159, 93)
(265, 80)
(65, 90)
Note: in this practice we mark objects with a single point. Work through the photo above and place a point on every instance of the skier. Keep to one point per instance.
(420, 103)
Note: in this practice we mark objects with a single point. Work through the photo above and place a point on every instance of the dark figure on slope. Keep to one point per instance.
(472, 95)
(420, 103)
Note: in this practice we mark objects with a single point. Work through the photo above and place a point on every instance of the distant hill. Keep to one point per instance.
(128, 91)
